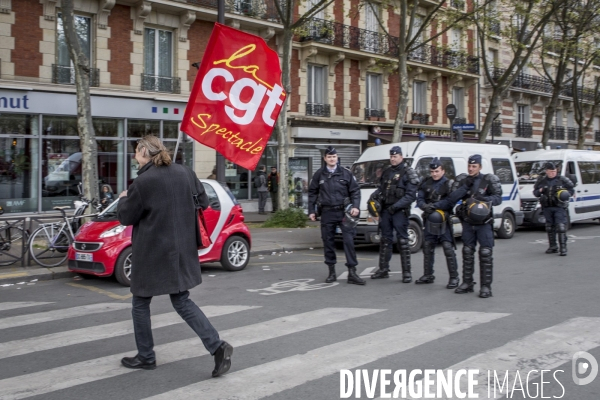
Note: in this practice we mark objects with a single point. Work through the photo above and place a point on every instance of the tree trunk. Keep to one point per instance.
(282, 129)
(581, 137)
(402, 100)
(550, 113)
(89, 148)
(493, 109)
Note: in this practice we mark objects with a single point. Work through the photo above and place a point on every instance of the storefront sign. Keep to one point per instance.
(236, 97)
(327, 133)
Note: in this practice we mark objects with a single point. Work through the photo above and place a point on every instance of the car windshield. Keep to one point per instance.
(530, 171)
(110, 211)
(231, 196)
(368, 173)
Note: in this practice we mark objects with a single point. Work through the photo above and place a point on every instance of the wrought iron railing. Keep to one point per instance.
(374, 113)
(458, 4)
(66, 75)
(166, 84)
(524, 129)
(597, 136)
(496, 128)
(495, 27)
(318, 110)
(445, 58)
(572, 133)
(557, 133)
(421, 118)
(250, 8)
(582, 93)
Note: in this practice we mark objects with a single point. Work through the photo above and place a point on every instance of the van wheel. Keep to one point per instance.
(415, 236)
(235, 254)
(507, 226)
(123, 267)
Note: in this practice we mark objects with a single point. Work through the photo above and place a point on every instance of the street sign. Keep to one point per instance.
(464, 127)
(451, 111)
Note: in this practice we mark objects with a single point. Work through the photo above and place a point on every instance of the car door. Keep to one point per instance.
(213, 212)
(587, 190)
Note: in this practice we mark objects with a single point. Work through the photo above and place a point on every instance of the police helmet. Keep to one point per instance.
(563, 195)
(436, 223)
(1, 210)
(349, 221)
(374, 207)
(478, 211)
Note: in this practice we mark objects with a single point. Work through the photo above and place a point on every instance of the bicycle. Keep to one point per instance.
(49, 244)
(12, 246)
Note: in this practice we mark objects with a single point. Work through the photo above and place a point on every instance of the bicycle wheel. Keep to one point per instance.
(49, 246)
(11, 245)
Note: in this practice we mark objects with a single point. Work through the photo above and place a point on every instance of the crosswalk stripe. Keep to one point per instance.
(109, 366)
(545, 349)
(30, 319)
(366, 272)
(21, 304)
(277, 376)
(99, 332)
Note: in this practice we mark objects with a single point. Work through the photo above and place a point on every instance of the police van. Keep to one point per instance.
(454, 156)
(581, 166)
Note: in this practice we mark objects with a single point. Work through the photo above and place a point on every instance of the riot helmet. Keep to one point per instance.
(563, 195)
(374, 207)
(436, 223)
(349, 221)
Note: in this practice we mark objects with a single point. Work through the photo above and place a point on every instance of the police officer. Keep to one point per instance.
(552, 191)
(332, 188)
(397, 191)
(479, 192)
(430, 196)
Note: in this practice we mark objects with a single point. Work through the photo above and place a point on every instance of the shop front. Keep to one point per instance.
(40, 152)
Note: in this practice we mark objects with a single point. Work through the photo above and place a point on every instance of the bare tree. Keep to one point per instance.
(586, 98)
(81, 66)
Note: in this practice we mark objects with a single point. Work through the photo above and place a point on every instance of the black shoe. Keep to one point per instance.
(551, 250)
(425, 279)
(452, 283)
(222, 359)
(353, 278)
(563, 252)
(485, 292)
(465, 288)
(381, 274)
(137, 363)
(406, 277)
(332, 277)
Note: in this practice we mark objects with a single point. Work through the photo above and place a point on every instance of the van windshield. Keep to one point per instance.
(530, 171)
(368, 173)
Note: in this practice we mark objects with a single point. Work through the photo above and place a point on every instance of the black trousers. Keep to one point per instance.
(330, 219)
(555, 215)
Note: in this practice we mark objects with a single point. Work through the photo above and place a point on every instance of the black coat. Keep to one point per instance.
(160, 207)
(330, 189)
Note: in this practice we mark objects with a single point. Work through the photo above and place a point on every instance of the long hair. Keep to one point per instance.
(157, 151)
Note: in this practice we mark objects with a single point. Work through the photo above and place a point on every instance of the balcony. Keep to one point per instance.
(583, 94)
(597, 136)
(458, 4)
(66, 75)
(557, 133)
(524, 129)
(318, 110)
(374, 113)
(495, 27)
(165, 84)
(445, 58)
(420, 118)
(572, 133)
(249, 8)
(496, 128)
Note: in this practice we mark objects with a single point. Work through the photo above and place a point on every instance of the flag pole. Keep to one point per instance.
(220, 159)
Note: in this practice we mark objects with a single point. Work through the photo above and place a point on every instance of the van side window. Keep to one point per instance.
(589, 172)
(503, 170)
(422, 167)
(571, 168)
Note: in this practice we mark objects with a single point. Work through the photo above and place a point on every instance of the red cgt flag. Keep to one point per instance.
(236, 97)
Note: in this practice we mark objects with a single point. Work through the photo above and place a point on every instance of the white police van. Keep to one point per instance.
(454, 156)
(581, 166)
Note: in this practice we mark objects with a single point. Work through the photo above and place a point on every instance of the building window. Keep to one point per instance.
(63, 71)
(524, 127)
(374, 97)
(458, 98)
(456, 39)
(371, 14)
(158, 62)
(523, 114)
(419, 97)
(317, 91)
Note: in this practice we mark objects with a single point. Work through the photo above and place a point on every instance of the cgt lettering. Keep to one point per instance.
(249, 108)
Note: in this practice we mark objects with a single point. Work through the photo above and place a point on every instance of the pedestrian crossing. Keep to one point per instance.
(547, 348)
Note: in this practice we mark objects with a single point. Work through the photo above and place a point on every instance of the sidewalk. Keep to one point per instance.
(264, 241)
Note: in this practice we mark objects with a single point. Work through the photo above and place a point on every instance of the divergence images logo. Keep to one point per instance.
(584, 364)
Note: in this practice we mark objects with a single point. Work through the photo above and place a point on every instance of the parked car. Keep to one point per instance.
(102, 246)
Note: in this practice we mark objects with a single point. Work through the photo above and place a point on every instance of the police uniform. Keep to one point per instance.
(554, 209)
(430, 199)
(329, 192)
(397, 191)
(486, 188)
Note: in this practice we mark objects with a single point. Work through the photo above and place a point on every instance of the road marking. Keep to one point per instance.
(279, 375)
(99, 332)
(101, 291)
(106, 367)
(545, 349)
(296, 285)
(366, 272)
(13, 275)
(81, 311)
(292, 262)
(21, 304)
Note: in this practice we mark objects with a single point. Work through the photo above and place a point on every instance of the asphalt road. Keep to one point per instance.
(293, 334)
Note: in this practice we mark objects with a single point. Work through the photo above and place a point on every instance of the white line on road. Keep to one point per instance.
(81, 311)
(99, 332)
(105, 367)
(20, 304)
(366, 272)
(277, 376)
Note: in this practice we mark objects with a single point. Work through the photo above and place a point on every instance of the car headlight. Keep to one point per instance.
(113, 231)
(371, 220)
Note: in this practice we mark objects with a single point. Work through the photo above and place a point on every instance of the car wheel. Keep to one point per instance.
(507, 226)
(123, 267)
(415, 236)
(235, 254)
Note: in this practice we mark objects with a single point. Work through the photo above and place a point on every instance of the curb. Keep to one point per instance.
(41, 274)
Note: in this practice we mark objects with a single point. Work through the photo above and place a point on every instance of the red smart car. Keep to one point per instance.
(102, 246)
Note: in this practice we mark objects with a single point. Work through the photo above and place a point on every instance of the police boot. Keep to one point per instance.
(551, 230)
(332, 277)
(385, 254)
(354, 278)
(486, 267)
(468, 268)
(452, 265)
(428, 258)
(562, 238)
(405, 260)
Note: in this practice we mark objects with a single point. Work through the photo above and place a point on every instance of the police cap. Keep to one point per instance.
(395, 150)
(435, 163)
(330, 150)
(475, 159)
(550, 165)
